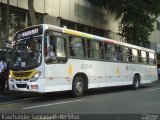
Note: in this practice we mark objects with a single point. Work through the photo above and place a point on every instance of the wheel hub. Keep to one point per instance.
(79, 87)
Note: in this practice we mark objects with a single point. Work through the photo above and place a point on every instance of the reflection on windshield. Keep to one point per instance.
(27, 53)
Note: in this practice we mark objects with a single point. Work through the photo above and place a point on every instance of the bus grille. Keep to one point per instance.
(22, 79)
(21, 74)
(21, 85)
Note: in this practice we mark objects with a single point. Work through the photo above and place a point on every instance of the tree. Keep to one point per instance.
(138, 17)
(32, 12)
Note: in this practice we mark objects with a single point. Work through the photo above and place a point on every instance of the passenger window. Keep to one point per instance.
(110, 52)
(152, 58)
(54, 48)
(60, 47)
(134, 56)
(124, 54)
(95, 49)
(77, 47)
(143, 57)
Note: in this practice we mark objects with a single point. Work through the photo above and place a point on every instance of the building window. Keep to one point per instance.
(18, 19)
(68, 24)
(83, 28)
(39, 18)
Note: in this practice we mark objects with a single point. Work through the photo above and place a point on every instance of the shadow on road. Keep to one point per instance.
(39, 97)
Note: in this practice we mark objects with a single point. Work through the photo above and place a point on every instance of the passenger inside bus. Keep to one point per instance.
(50, 54)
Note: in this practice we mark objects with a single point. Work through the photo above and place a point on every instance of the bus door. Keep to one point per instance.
(56, 69)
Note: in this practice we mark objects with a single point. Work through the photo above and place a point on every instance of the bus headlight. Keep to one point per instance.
(10, 76)
(35, 76)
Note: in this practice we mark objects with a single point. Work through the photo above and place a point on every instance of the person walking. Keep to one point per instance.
(3, 76)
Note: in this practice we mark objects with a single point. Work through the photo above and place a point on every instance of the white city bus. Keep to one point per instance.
(48, 58)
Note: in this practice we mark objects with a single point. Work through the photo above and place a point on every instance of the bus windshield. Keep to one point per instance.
(27, 53)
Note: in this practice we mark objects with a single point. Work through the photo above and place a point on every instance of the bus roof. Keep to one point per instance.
(90, 36)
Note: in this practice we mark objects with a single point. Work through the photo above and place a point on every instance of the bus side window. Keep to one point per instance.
(125, 54)
(45, 45)
(95, 49)
(110, 52)
(71, 47)
(53, 43)
(134, 56)
(54, 48)
(120, 53)
(90, 45)
(77, 47)
(101, 53)
(144, 57)
(50, 55)
(88, 49)
(151, 58)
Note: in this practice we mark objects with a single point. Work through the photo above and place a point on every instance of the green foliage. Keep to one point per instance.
(137, 20)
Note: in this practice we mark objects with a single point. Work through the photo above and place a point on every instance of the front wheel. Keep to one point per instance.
(78, 86)
(136, 82)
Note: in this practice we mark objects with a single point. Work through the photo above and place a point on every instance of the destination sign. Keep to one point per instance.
(33, 31)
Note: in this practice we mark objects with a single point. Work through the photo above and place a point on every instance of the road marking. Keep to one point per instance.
(152, 89)
(53, 104)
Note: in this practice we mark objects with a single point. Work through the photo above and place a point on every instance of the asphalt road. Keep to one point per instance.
(107, 101)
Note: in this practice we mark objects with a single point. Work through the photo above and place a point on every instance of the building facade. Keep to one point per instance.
(74, 14)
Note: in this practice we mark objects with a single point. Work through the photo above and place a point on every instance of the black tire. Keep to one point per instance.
(136, 82)
(78, 86)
